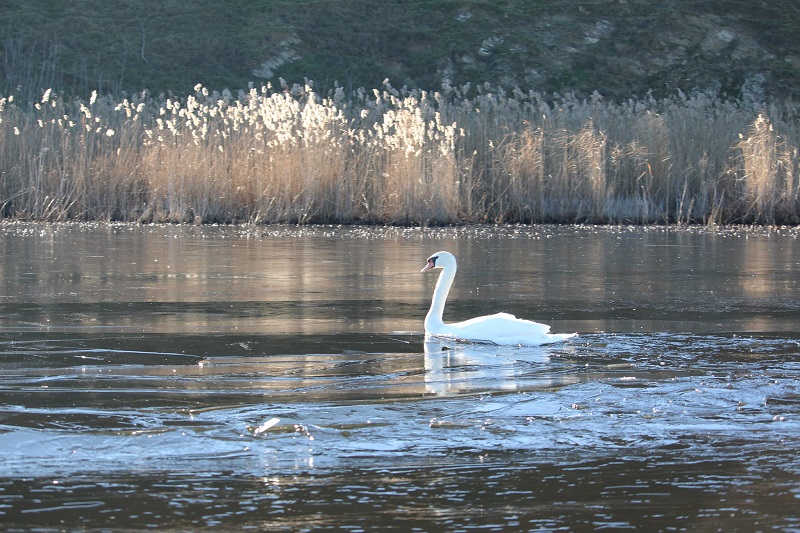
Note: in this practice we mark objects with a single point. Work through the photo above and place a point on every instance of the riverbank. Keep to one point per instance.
(510, 231)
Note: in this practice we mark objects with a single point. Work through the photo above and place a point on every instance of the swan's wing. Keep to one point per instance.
(500, 325)
(501, 329)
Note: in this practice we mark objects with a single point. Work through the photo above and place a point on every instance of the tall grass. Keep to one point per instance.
(463, 154)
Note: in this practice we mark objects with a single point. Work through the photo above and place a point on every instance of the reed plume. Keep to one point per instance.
(459, 155)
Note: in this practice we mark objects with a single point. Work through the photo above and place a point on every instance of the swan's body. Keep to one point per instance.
(501, 328)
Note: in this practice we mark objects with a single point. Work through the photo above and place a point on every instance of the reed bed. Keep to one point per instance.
(459, 155)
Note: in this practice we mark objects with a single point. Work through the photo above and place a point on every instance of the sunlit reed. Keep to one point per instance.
(463, 154)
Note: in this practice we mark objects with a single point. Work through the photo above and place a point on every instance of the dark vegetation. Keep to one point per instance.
(619, 48)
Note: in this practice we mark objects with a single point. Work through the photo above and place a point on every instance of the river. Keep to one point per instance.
(276, 378)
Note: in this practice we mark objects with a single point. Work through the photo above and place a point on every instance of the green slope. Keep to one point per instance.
(617, 47)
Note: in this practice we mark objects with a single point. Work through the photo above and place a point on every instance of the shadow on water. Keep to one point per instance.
(170, 409)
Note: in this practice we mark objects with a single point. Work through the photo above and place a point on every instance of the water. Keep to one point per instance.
(197, 378)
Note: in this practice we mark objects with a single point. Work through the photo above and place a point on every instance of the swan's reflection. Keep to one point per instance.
(454, 367)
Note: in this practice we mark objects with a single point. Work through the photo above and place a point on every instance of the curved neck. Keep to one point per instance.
(434, 316)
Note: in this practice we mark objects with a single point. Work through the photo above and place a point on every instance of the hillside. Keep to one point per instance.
(617, 47)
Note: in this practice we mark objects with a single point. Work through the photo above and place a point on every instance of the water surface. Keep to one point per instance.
(277, 379)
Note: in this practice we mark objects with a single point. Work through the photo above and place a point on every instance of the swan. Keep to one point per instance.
(500, 328)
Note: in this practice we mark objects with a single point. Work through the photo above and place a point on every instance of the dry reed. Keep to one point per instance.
(465, 154)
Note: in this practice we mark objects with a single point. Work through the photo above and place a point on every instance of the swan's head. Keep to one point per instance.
(440, 260)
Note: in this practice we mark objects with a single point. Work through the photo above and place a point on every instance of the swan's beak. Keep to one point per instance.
(429, 266)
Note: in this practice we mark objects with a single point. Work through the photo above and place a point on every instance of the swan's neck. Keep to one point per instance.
(433, 320)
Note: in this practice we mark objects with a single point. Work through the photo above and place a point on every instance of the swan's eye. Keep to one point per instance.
(433, 259)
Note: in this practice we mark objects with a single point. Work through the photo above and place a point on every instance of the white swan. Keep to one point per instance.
(501, 328)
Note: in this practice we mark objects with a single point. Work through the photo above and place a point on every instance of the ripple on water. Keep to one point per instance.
(607, 430)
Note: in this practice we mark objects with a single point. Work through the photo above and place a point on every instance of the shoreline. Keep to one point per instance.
(477, 230)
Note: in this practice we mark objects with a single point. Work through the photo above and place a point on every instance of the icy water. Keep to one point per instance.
(276, 379)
